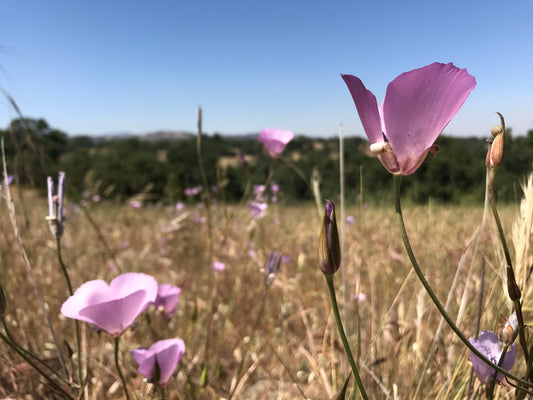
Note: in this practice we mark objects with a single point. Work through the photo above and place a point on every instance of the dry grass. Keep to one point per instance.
(279, 343)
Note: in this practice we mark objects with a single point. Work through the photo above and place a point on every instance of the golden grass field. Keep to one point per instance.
(247, 342)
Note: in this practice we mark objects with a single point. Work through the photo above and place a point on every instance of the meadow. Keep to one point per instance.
(252, 336)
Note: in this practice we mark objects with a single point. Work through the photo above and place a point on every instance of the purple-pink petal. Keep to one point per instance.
(112, 308)
(417, 107)
(488, 344)
(275, 140)
(167, 353)
(167, 298)
(367, 108)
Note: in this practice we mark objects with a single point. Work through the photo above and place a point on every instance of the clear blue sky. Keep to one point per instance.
(111, 66)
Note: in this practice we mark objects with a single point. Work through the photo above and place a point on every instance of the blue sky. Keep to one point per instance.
(112, 66)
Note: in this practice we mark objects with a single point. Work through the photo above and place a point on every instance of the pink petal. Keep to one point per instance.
(168, 359)
(275, 140)
(167, 353)
(112, 308)
(418, 105)
(89, 293)
(131, 281)
(115, 316)
(367, 108)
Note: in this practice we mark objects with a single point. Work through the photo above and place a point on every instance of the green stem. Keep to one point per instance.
(513, 289)
(117, 340)
(358, 381)
(431, 293)
(28, 358)
(12, 342)
(77, 325)
(490, 393)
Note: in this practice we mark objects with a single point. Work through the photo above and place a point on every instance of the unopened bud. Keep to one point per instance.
(3, 302)
(329, 250)
(495, 153)
(512, 286)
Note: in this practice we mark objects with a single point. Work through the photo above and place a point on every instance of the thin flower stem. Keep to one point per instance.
(431, 293)
(511, 281)
(358, 381)
(12, 342)
(490, 392)
(117, 340)
(77, 325)
(26, 357)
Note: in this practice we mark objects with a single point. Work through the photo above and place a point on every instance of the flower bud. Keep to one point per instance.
(512, 287)
(495, 153)
(329, 250)
(3, 302)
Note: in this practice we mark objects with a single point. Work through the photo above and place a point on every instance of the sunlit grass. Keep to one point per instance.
(249, 342)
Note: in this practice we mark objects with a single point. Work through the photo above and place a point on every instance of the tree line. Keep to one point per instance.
(119, 169)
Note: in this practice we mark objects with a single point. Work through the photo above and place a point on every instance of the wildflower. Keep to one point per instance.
(272, 267)
(159, 361)
(96, 198)
(487, 344)
(135, 204)
(8, 180)
(193, 191)
(350, 220)
(417, 107)
(258, 191)
(329, 251)
(114, 307)
(257, 209)
(167, 298)
(55, 205)
(275, 140)
(218, 266)
(274, 187)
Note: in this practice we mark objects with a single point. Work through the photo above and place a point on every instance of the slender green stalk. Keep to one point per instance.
(358, 381)
(76, 322)
(110, 253)
(206, 192)
(513, 289)
(490, 390)
(29, 359)
(117, 340)
(431, 293)
(13, 342)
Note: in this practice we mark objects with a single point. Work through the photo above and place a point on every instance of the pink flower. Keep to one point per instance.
(167, 298)
(218, 266)
(416, 108)
(257, 209)
(166, 353)
(112, 308)
(275, 140)
(135, 204)
(488, 344)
